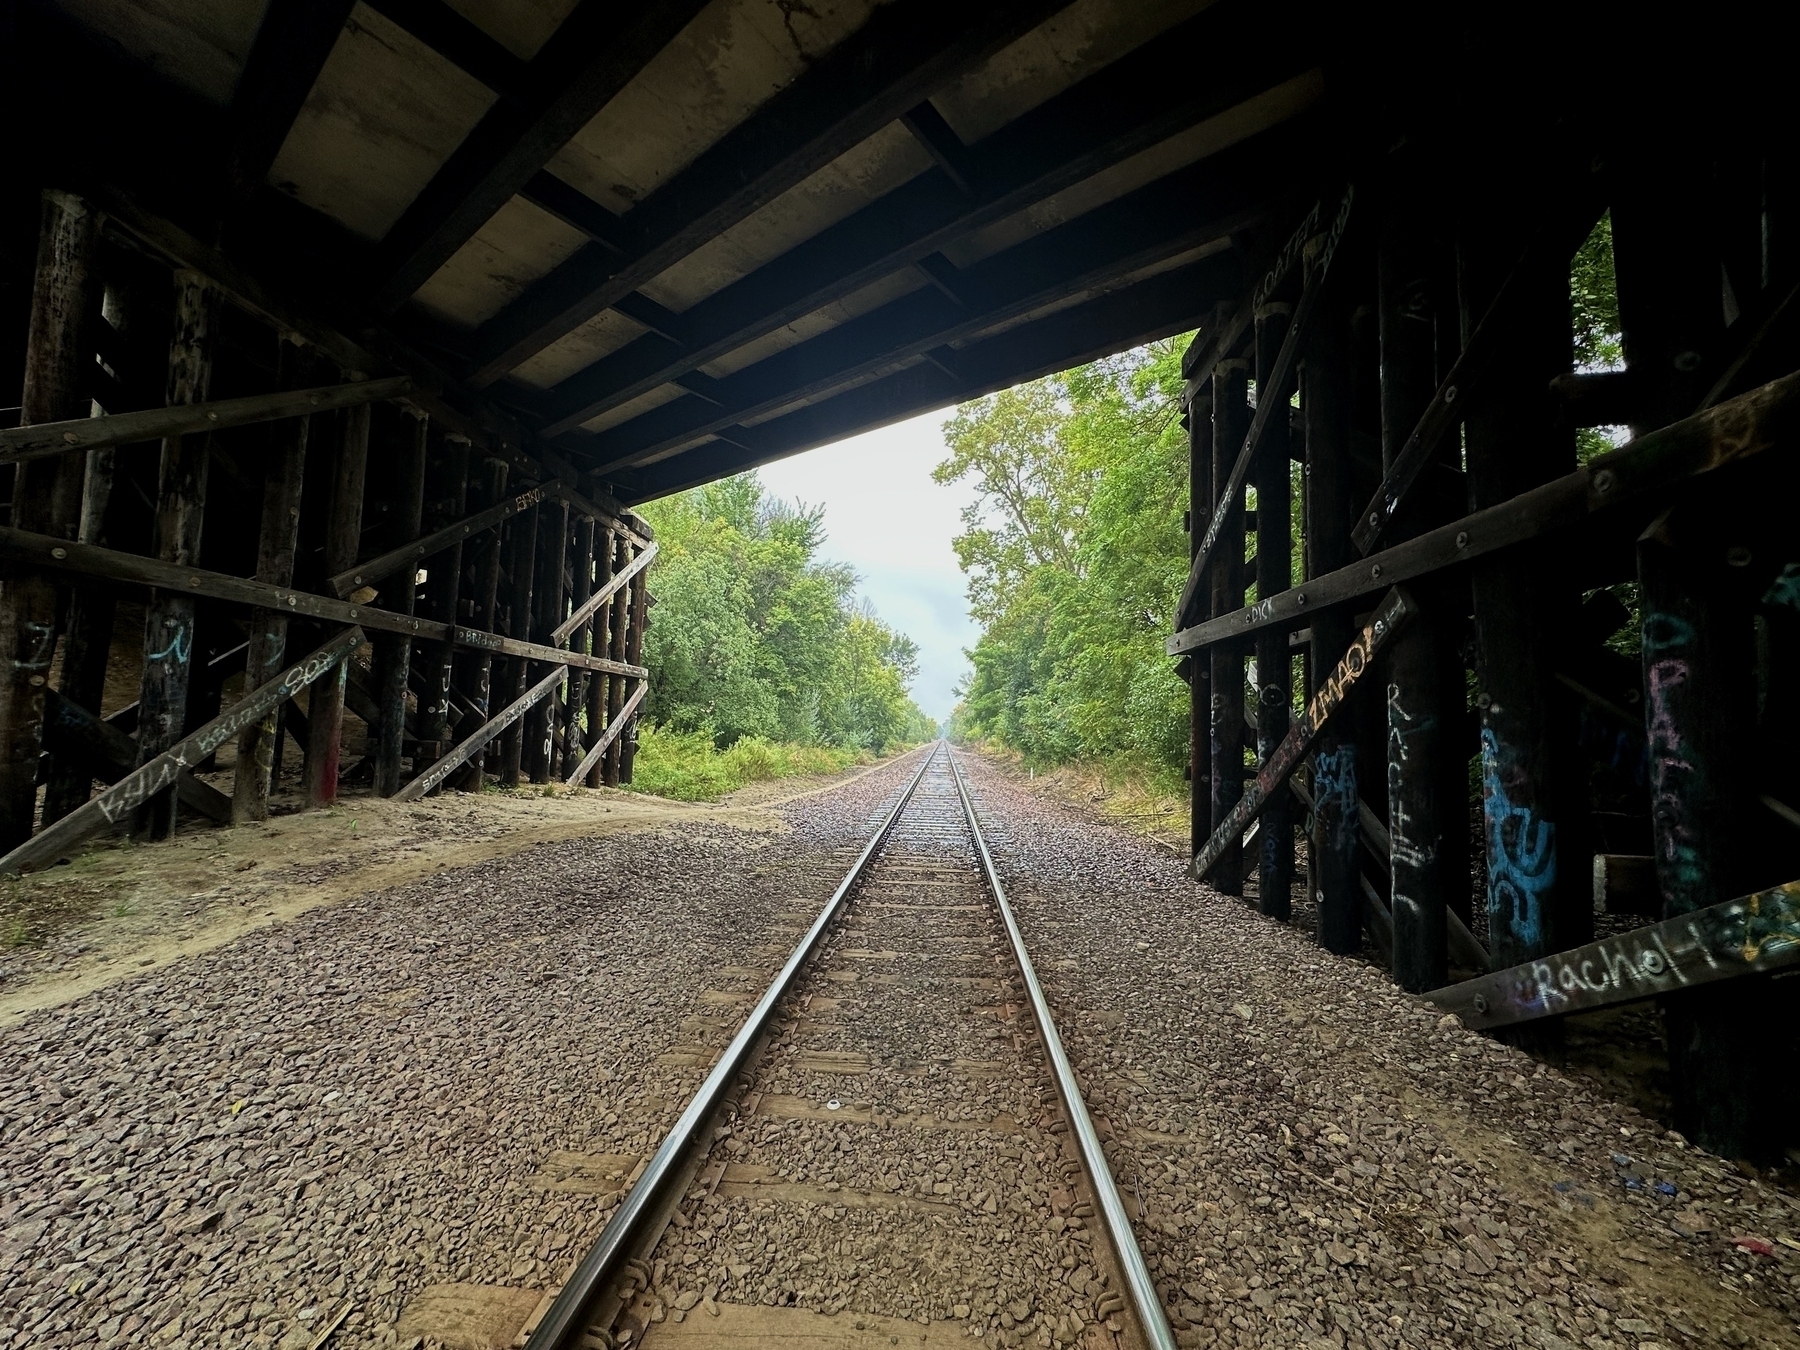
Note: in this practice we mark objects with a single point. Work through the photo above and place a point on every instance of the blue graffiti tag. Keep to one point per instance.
(1521, 853)
(1785, 589)
(179, 645)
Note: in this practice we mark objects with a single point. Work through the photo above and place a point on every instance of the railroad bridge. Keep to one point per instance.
(343, 336)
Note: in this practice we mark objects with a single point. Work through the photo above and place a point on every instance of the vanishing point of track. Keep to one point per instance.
(926, 881)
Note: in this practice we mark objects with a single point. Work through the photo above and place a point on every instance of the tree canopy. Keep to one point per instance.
(754, 636)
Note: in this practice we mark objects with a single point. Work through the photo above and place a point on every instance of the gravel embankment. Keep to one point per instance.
(353, 1106)
(1324, 1162)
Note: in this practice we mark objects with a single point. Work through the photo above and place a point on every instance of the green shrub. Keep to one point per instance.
(687, 766)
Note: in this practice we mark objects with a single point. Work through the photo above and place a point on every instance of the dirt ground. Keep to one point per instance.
(116, 908)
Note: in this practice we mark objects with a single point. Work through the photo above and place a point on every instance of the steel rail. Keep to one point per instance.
(567, 1318)
(1151, 1318)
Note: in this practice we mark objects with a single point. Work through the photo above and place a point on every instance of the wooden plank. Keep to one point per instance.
(591, 760)
(375, 569)
(1625, 883)
(135, 570)
(1390, 615)
(291, 47)
(634, 654)
(109, 754)
(465, 749)
(581, 557)
(1274, 572)
(92, 433)
(604, 594)
(124, 797)
(343, 536)
(599, 686)
(513, 677)
(621, 620)
(434, 661)
(537, 731)
(394, 652)
(1226, 723)
(1756, 933)
(1551, 245)
(1730, 433)
(1270, 400)
(899, 55)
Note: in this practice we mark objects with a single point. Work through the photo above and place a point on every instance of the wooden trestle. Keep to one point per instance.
(299, 499)
(1436, 426)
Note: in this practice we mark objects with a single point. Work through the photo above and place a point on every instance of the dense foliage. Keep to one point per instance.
(753, 637)
(1075, 558)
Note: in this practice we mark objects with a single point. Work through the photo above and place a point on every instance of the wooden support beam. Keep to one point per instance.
(460, 42)
(583, 613)
(599, 690)
(595, 53)
(134, 570)
(291, 47)
(483, 609)
(620, 624)
(343, 536)
(44, 497)
(901, 54)
(373, 570)
(1754, 934)
(434, 661)
(120, 801)
(259, 744)
(634, 655)
(590, 762)
(1636, 474)
(104, 752)
(1325, 406)
(578, 637)
(546, 612)
(1225, 663)
(1390, 615)
(1625, 883)
(521, 563)
(1198, 420)
(394, 651)
(93, 433)
(477, 741)
(1271, 405)
(1129, 105)
(1274, 572)
(180, 512)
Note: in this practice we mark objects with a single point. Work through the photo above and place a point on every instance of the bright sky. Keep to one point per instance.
(887, 519)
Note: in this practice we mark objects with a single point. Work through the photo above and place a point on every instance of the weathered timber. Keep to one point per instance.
(522, 565)
(259, 744)
(476, 672)
(1390, 615)
(343, 536)
(124, 797)
(1550, 247)
(1274, 572)
(1756, 933)
(1731, 433)
(639, 619)
(134, 570)
(477, 740)
(1225, 663)
(393, 651)
(615, 698)
(180, 512)
(1325, 405)
(538, 728)
(434, 661)
(106, 753)
(600, 685)
(582, 560)
(1272, 398)
(44, 497)
(590, 762)
(154, 424)
(376, 569)
(1198, 417)
(1625, 883)
(584, 613)
(292, 43)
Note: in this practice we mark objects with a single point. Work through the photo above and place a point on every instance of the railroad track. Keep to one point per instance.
(895, 1126)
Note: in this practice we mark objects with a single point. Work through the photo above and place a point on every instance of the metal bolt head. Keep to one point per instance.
(1737, 556)
(1605, 481)
(1462, 538)
(1375, 571)
(1686, 362)
(1450, 394)
(59, 553)
(1481, 1003)
(1300, 597)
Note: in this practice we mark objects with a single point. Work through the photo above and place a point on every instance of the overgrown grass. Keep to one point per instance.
(688, 767)
(1150, 799)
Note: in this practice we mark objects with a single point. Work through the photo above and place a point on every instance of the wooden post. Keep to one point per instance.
(180, 511)
(46, 494)
(1325, 405)
(393, 651)
(343, 537)
(1411, 321)
(449, 502)
(1699, 709)
(546, 612)
(583, 557)
(91, 608)
(634, 653)
(1271, 475)
(599, 687)
(522, 563)
(621, 622)
(1225, 712)
(1539, 882)
(259, 743)
(1200, 489)
(483, 607)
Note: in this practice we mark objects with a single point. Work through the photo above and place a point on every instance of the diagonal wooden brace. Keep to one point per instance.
(1395, 609)
(465, 750)
(618, 723)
